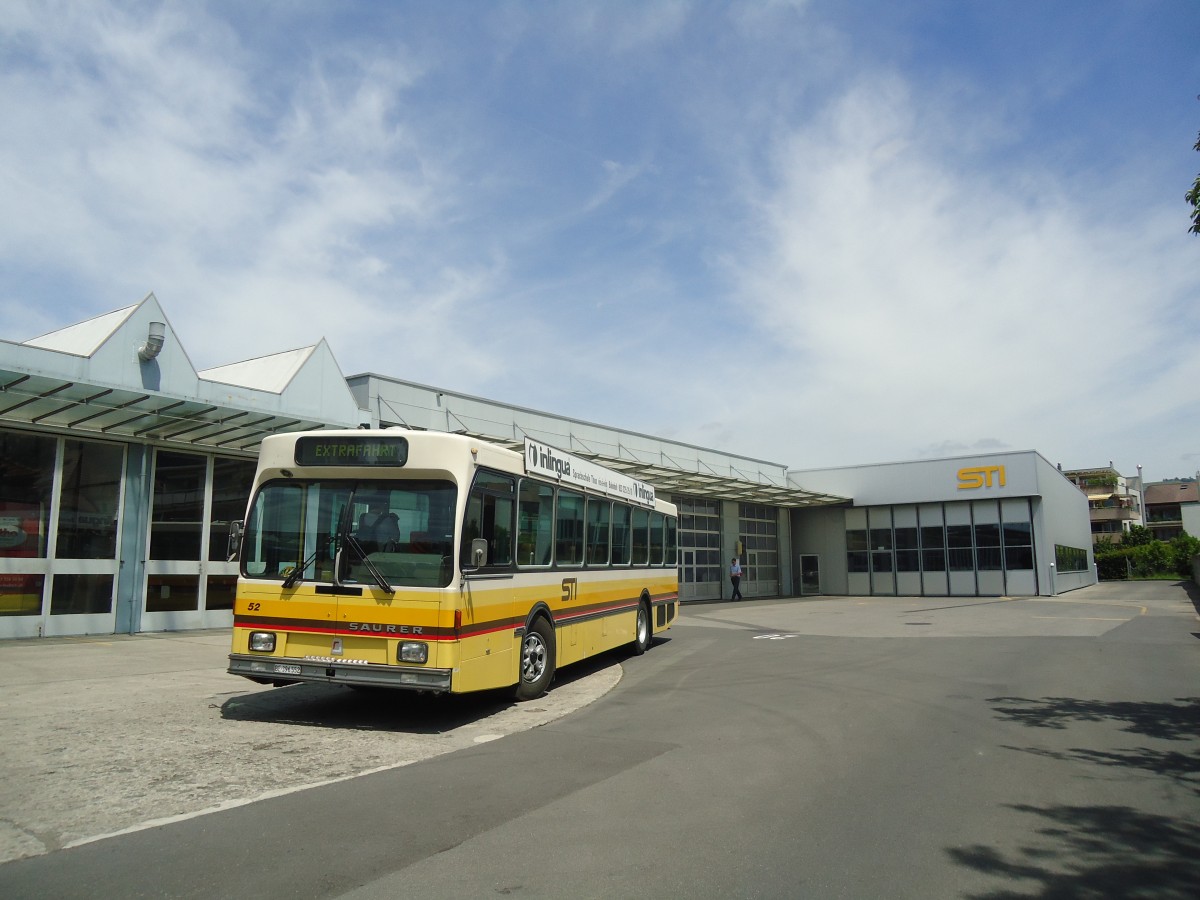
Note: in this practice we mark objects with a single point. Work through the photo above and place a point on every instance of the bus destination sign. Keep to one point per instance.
(355, 450)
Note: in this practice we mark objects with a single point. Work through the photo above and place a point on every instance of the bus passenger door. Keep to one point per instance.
(488, 601)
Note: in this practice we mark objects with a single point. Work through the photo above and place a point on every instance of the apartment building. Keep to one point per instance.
(1173, 507)
(1115, 501)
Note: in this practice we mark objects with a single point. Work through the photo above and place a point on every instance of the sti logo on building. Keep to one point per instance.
(980, 477)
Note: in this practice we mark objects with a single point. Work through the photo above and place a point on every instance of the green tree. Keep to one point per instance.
(1137, 536)
(1193, 197)
(1183, 548)
(1113, 564)
(1141, 558)
(1152, 559)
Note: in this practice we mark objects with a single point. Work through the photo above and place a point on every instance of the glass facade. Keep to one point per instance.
(219, 592)
(964, 540)
(26, 489)
(90, 497)
(59, 514)
(1070, 559)
(21, 595)
(177, 524)
(81, 595)
(70, 548)
(758, 530)
(232, 479)
(700, 570)
(194, 500)
(172, 593)
(64, 551)
(908, 549)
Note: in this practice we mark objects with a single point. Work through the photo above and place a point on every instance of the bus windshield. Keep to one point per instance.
(387, 533)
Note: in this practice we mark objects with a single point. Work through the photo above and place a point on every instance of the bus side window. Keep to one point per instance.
(489, 516)
(621, 533)
(598, 511)
(535, 527)
(569, 522)
(641, 536)
(657, 536)
(472, 525)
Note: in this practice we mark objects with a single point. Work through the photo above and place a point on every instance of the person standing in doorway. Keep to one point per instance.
(735, 575)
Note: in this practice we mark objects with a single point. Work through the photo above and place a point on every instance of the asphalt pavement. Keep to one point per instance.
(104, 735)
(834, 747)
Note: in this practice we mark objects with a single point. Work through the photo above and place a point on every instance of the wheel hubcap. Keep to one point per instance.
(533, 657)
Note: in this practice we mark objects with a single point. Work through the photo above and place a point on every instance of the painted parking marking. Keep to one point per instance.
(774, 637)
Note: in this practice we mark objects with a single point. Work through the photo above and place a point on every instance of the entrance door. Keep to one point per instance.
(699, 574)
(687, 574)
(189, 582)
(700, 569)
(59, 509)
(810, 574)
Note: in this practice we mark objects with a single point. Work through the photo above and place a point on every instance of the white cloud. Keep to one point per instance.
(923, 305)
(628, 26)
(143, 158)
(721, 227)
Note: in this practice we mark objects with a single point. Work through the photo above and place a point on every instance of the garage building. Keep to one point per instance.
(122, 466)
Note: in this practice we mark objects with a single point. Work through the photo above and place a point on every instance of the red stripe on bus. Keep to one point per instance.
(599, 609)
(433, 632)
(426, 632)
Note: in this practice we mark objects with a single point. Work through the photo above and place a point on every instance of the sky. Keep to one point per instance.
(816, 233)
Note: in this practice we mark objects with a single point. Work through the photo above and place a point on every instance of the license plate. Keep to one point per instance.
(283, 669)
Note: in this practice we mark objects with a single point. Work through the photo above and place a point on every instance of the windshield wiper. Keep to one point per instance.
(297, 573)
(345, 539)
(352, 542)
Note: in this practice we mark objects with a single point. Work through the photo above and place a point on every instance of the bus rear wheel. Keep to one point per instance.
(642, 634)
(537, 660)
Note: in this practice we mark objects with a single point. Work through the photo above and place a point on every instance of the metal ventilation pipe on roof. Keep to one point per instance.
(154, 341)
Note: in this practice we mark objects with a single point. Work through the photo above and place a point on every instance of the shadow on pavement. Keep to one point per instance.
(1193, 592)
(1181, 768)
(1093, 851)
(1169, 721)
(1178, 721)
(1100, 851)
(335, 706)
(383, 709)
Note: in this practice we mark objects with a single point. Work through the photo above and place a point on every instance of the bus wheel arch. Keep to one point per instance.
(643, 629)
(536, 665)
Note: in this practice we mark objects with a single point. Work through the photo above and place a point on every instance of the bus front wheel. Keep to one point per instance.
(537, 660)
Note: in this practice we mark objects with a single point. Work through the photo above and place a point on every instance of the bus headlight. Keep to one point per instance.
(413, 652)
(262, 641)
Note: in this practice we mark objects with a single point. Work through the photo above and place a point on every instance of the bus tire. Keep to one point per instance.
(537, 660)
(643, 634)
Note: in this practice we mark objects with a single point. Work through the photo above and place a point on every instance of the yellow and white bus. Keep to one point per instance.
(444, 563)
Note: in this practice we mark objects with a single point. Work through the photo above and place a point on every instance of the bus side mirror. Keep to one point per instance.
(235, 541)
(478, 553)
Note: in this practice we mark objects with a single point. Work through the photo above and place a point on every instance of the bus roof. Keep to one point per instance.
(349, 452)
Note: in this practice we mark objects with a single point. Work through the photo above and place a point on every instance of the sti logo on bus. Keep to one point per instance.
(980, 476)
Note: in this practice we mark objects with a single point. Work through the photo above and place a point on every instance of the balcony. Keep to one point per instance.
(1165, 516)
(1112, 507)
(1112, 514)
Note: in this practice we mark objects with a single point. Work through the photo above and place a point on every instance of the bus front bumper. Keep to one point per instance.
(286, 670)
